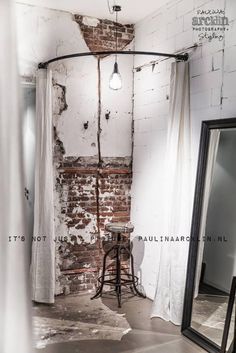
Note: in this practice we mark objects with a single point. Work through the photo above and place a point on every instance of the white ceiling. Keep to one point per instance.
(132, 10)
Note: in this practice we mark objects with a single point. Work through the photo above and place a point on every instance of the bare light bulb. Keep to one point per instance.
(115, 80)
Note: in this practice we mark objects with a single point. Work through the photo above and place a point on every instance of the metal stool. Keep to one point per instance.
(119, 279)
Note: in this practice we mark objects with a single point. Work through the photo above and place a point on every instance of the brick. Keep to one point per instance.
(230, 35)
(229, 84)
(216, 96)
(184, 7)
(206, 81)
(230, 62)
(231, 9)
(102, 37)
(218, 60)
(175, 27)
(79, 205)
(184, 39)
(201, 100)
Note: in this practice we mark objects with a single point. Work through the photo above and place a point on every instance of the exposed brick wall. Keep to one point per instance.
(90, 196)
(100, 35)
(90, 191)
(114, 196)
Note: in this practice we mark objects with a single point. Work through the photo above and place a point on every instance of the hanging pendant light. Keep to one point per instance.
(115, 79)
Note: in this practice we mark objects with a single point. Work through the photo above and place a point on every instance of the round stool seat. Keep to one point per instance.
(119, 227)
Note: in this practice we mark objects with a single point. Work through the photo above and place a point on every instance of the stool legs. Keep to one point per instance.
(118, 276)
(118, 281)
(99, 291)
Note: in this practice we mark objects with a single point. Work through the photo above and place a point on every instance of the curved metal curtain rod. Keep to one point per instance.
(180, 57)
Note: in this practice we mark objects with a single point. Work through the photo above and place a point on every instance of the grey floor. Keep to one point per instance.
(144, 335)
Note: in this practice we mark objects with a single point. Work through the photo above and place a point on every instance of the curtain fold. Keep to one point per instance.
(43, 247)
(15, 315)
(211, 159)
(168, 301)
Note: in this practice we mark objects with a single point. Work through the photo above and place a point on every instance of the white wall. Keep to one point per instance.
(44, 34)
(212, 79)
(221, 221)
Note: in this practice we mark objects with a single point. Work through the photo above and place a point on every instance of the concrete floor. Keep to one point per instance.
(145, 336)
(76, 317)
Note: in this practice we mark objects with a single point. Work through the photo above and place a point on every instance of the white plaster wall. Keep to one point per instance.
(116, 136)
(79, 76)
(212, 80)
(44, 34)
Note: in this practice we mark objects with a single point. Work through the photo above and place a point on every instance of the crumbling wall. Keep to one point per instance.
(90, 196)
(93, 169)
(92, 133)
(99, 34)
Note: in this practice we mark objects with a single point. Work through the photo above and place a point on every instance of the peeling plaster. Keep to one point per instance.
(75, 101)
(90, 21)
(60, 104)
(99, 34)
(58, 142)
(87, 234)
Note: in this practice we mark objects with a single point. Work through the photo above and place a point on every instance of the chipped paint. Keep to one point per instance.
(59, 103)
(90, 21)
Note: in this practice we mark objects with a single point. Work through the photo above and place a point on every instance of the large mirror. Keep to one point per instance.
(209, 313)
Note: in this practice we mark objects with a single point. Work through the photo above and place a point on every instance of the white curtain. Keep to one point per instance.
(43, 249)
(211, 159)
(15, 315)
(168, 302)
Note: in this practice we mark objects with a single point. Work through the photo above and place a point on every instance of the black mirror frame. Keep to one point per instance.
(186, 328)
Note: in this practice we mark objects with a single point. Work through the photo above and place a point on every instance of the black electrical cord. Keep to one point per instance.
(116, 33)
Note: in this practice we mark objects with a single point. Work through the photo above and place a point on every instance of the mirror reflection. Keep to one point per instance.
(231, 347)
(217, 240)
